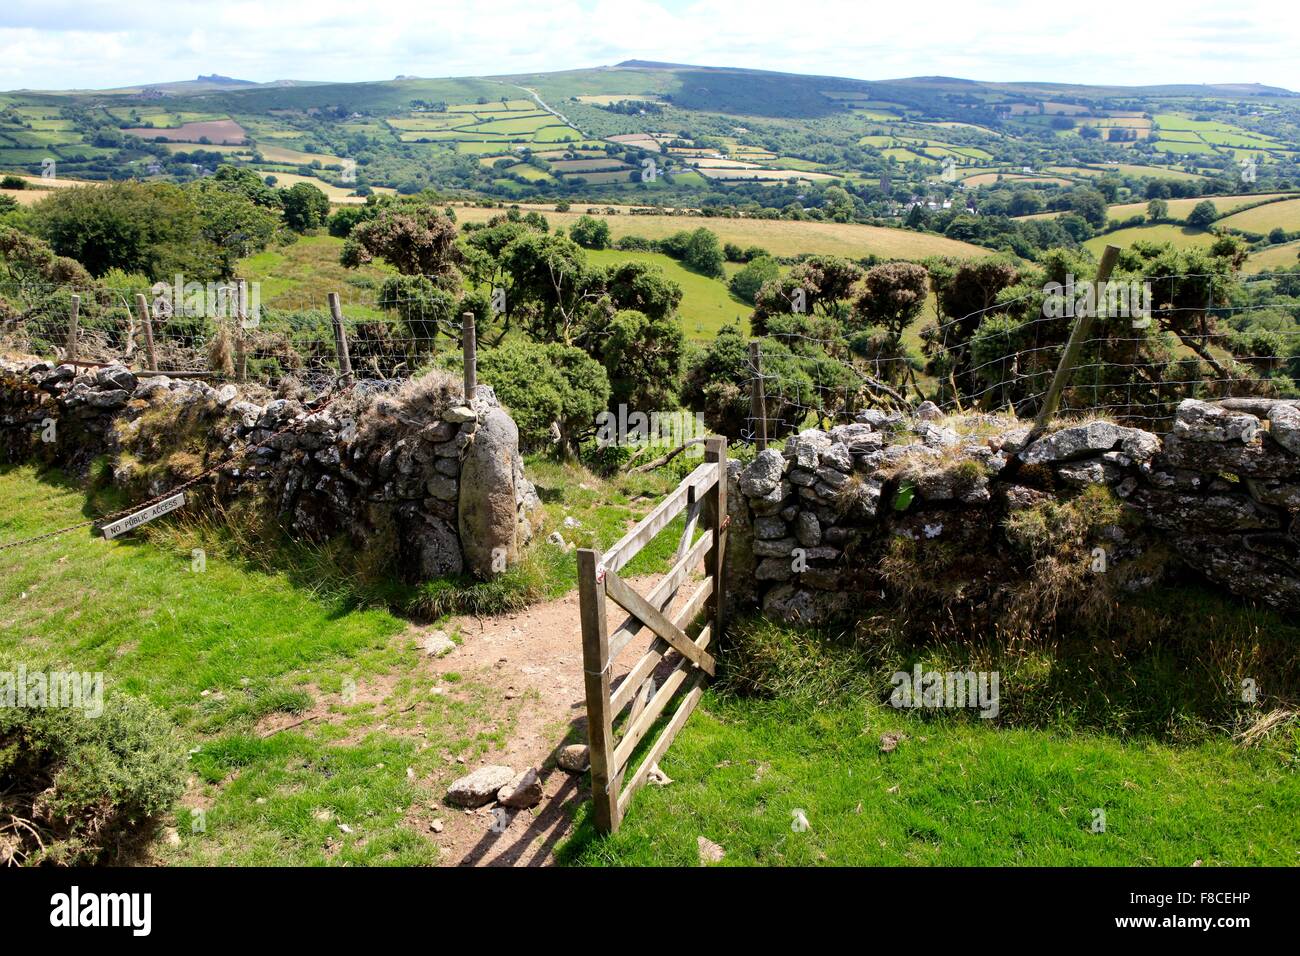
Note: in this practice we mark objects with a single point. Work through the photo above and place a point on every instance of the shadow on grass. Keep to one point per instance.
(1182, 664)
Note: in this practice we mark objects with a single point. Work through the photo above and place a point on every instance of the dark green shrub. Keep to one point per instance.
(74, 786)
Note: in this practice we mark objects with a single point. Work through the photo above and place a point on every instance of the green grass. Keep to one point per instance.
(1262, 219)
(277, 634)
(1283, 256)
(302, 274)
(707, 304)
(954, 793)
(1182, 237)
(223, 648)
(164, 631)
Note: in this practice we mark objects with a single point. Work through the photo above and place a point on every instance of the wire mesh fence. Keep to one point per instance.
(1155, 340)
(234, 330)
(1152, 343)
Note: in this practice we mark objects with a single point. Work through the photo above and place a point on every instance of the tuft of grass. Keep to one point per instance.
(541, 574)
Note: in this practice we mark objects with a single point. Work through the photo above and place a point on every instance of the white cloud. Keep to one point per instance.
(94, 43)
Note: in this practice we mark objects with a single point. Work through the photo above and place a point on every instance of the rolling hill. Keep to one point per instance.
(758, 144)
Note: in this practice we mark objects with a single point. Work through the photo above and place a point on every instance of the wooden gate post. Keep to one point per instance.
(596, 666)
(73, 319)
(146, 322)
(715, 450)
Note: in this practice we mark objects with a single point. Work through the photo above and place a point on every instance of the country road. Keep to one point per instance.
(546, 106)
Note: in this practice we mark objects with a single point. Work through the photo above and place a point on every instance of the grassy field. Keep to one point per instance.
(302, 274)
(707, 304)
(1265, 218)
(236, 654)
(1182, 237)
(954, 793)
(220, 651)
(39, 188)
(1286, 255)
(1180, 209)
(341, 195)
(779, 237)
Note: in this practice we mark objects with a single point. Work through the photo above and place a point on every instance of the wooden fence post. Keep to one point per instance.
(757, 398)
(73, 319)
(596, 665)
(340, 337)
(241, 343)
(715, 450)
(1070, 357)
(469, 342)
(146, 322)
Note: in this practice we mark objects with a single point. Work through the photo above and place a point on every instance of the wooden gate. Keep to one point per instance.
(611, 752)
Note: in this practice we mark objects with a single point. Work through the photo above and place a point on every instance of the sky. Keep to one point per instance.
(64, 44)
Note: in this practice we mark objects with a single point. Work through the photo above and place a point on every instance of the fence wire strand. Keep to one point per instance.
(997, 358)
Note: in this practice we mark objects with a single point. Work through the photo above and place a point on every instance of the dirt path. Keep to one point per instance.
(534, 657)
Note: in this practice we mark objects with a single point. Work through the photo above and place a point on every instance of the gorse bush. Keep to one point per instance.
(73, 787)
(542, 385)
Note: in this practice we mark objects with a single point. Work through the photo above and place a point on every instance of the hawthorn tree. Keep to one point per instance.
(305, 207)
(415, 238)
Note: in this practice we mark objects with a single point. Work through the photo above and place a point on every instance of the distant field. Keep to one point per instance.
(1132, 169)
(1182, 237)
(1182, 208)
(278, 154)
(1179, 209)
(587, 165)
(605, 99)
(225, 131)
(988, 179)
(707, 304)
(778, 236)
(241, 151)
(1274, 257)
(596, 178)
(1264, 218)
(302, 274)
(29, 197)
(337, 194)
(763, 174)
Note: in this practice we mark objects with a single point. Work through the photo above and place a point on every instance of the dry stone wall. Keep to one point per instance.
(435, 484)
(811, 522)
